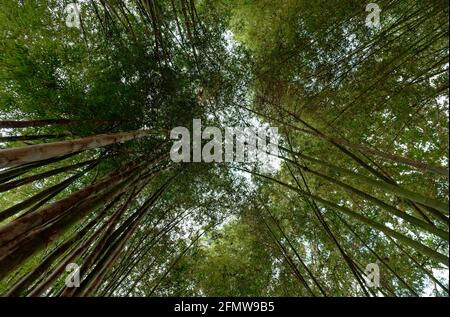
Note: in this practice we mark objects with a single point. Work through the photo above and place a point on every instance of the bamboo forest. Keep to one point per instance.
(351, 202)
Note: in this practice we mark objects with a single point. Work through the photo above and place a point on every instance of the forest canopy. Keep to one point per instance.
(90, 90)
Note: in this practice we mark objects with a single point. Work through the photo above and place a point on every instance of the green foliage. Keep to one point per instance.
(333, 86)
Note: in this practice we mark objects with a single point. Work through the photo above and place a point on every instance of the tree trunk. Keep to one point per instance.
(33, 153)
(29, 179)
(35, 123)
(15, 138)
(363, 219)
